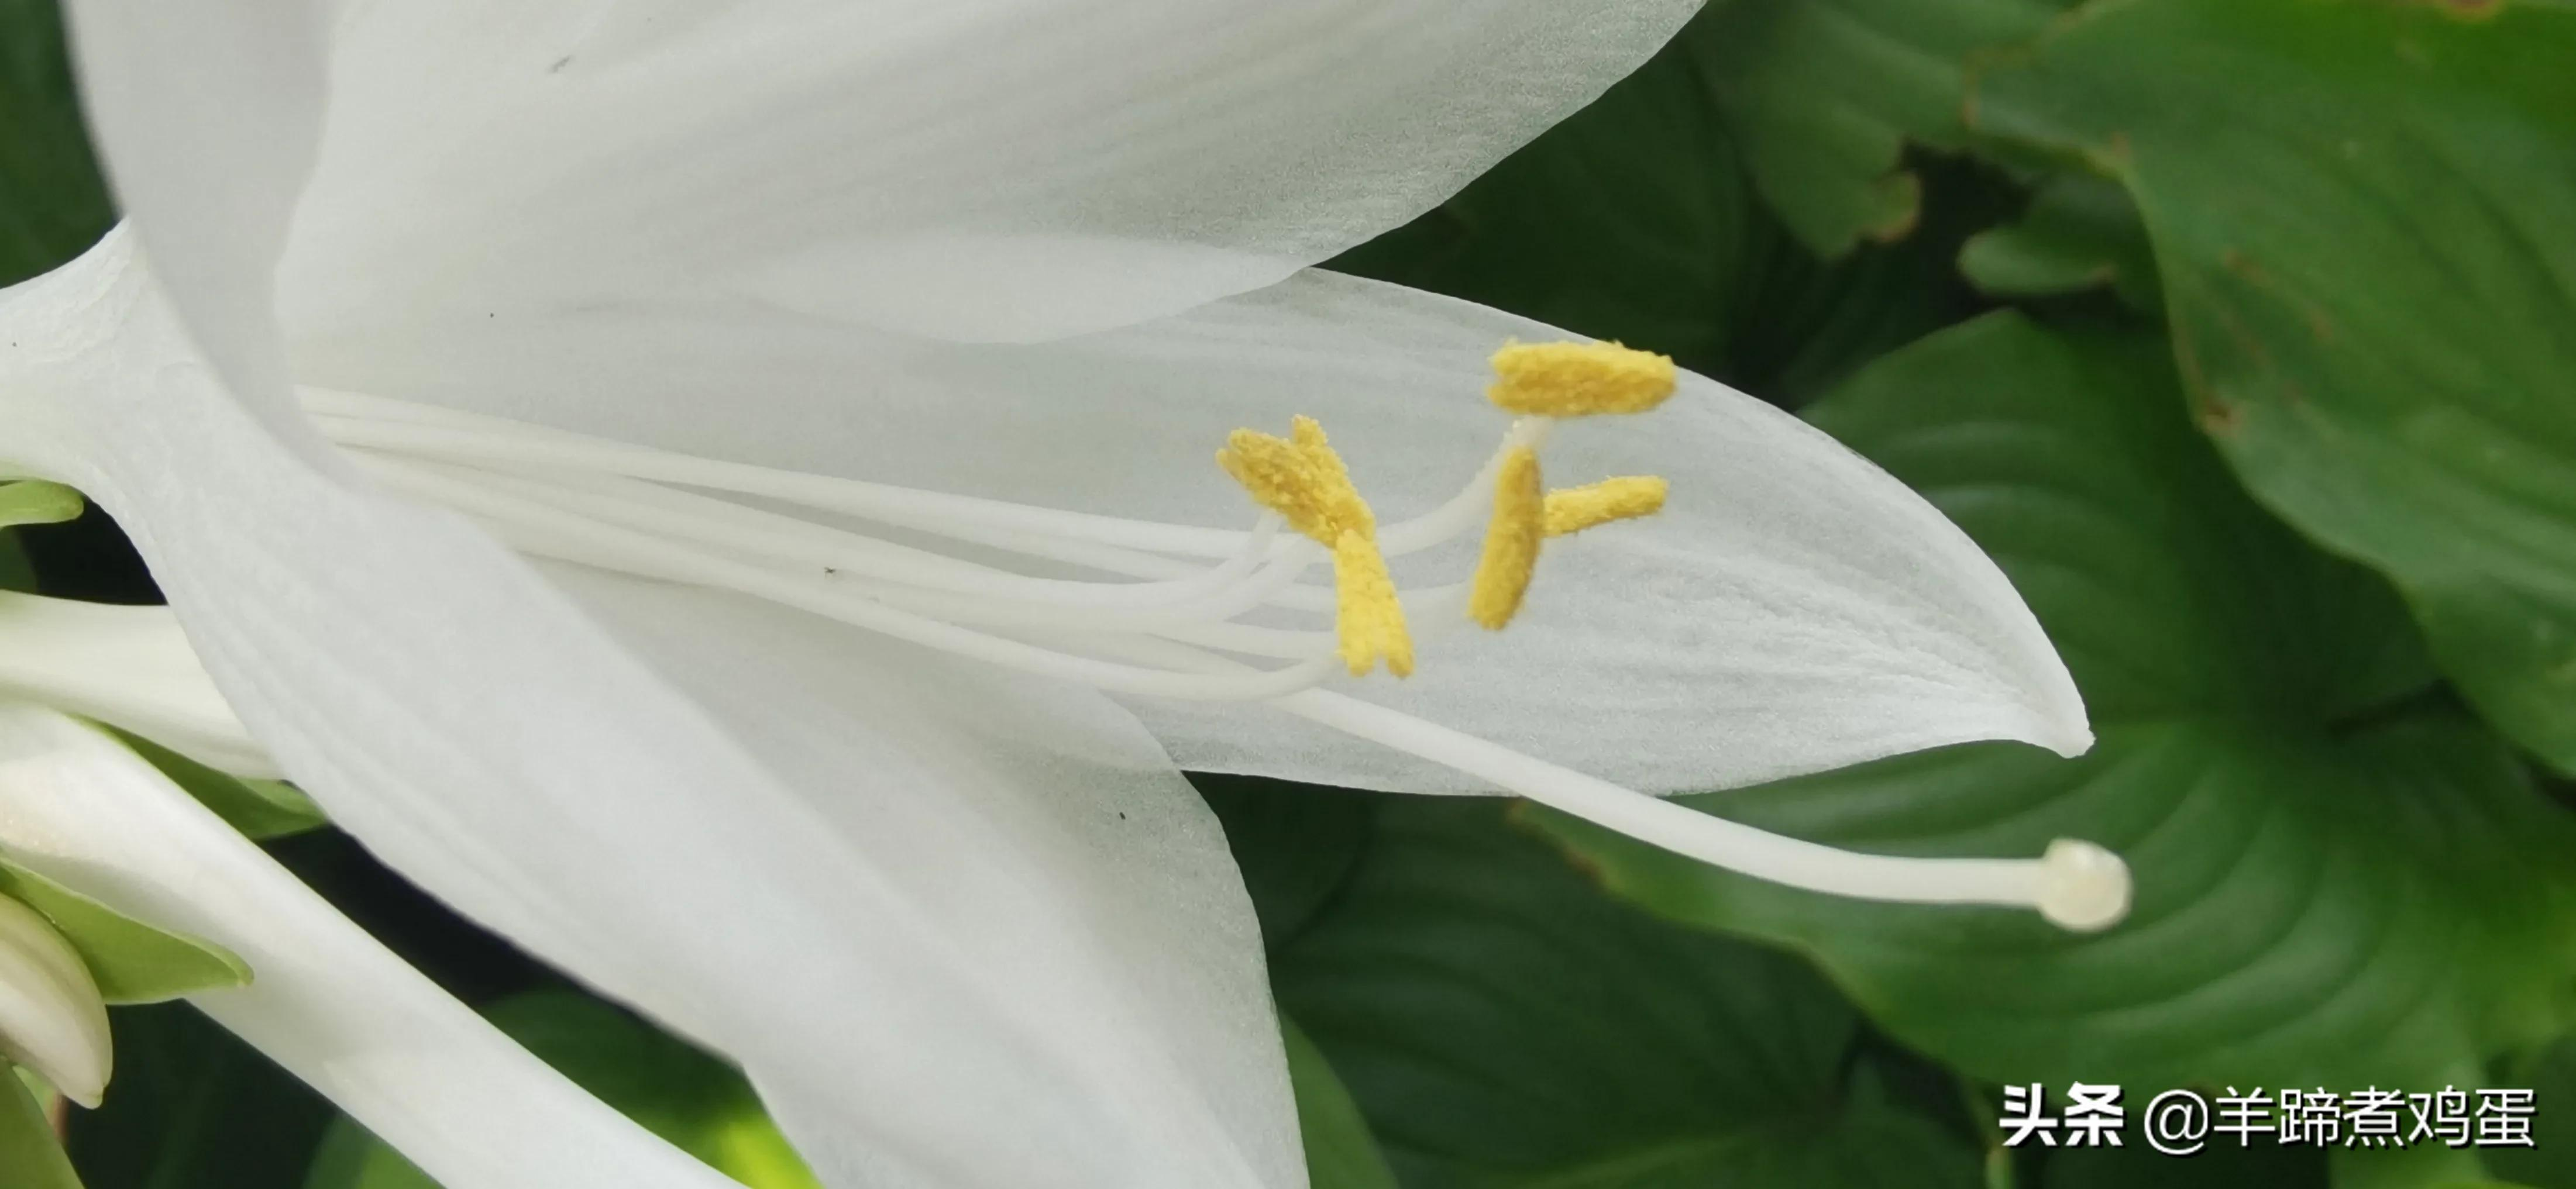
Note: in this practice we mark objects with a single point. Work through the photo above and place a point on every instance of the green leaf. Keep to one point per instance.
(1806, 326)
(194, 1108)
(351, 1158)
(260, 809)
(2261, 1163)
(700, 1104)
(2081, 232)
(2550, 1074)
(2223, 1165)
(1296, 845)
(29, 1154)
(53, 202)
(1340, 1152)
(33, 501)
(1823, 95)
(1502, 1024)
(2367, 233)
(2339, 879)
(132, 962)
(2424, 1166)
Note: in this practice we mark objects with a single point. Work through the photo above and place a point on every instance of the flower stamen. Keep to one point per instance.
(1579, 379)
(1173, 624)
(1545, 381)
(1369, 617)
(1511, 541)
(1303, 480)
(1592, 505)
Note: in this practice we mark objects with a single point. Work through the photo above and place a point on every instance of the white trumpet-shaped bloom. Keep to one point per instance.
(720, 493)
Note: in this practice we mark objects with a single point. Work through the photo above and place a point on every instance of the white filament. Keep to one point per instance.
(1169, 627)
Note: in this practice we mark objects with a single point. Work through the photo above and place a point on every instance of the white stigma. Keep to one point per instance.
(1169, 625)
(2083, 887)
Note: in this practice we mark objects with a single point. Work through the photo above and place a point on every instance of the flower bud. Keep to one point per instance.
(51, 1017)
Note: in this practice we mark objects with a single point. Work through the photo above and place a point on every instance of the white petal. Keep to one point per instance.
(51, 1018)
(328, 1003)
(996, 169)
(1795, 608)
(481, 734)
(208, 115)
(128, 666)
(1043, 831)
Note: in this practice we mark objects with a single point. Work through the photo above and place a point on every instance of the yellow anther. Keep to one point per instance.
(1577, 379)
(1370, 619)
(1578, 508)
(1341, 498)
(1511, 541)
(1305, 482)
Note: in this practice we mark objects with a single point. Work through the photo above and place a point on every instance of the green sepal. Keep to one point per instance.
(30, 1157)
(260, 809)
(132, 962)
(34, 501)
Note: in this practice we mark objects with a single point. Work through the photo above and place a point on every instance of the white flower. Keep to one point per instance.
(751, 322)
